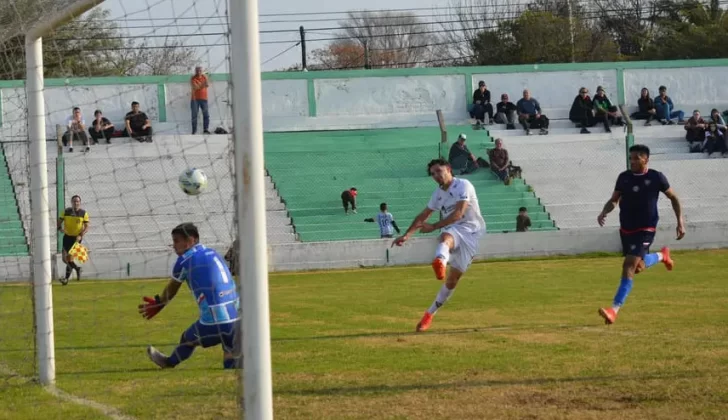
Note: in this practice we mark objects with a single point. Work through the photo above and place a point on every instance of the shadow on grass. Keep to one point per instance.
(492, 328)
(386, 389)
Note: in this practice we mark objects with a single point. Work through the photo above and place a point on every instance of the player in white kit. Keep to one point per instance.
(461, 224)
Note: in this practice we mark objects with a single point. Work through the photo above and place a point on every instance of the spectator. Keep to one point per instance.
(75, 129)
(605, 111)
(523, 222)
(101, 127)
(199, 85)
(386, 222)
(349, 197)
(717, 119)
(665, 110)
(529, 114)
(720, 123)
(481, 104)
(460, 157)
(714, 140)
(138, 125)
(695, 128)
(582, 111)
(506, 112)
(499, 161)
(646, 107)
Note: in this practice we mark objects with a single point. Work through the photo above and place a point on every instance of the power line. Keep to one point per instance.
(280, 53)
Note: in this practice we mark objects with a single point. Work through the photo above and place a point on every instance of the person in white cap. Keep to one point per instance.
(461, 159)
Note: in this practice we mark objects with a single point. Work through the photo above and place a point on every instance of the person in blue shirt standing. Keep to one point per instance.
(637, 192)
(215, 292)
(386, 222)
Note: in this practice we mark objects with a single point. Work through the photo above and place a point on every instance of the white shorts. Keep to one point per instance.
(466, 246)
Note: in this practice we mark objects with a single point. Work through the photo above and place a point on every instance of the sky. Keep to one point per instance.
(200, 22)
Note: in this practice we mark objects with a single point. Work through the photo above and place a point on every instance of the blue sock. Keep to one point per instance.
(625, 286)
(651, 259)
(229, 364)
(180, 354)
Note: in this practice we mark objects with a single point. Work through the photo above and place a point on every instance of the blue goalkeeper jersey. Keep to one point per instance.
(211, 283)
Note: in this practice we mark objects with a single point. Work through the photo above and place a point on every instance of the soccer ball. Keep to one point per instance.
(193, 181)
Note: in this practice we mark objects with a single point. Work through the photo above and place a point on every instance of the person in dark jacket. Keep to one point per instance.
(695, 128)
(582, 111)
(349, 197)
(481, 104)
(506, 112)
(461, 159)
(604, 111)
(646, 107)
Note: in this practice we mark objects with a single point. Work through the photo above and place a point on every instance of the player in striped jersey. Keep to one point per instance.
(386, 222)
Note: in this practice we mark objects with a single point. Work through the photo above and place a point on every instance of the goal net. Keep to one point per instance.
(102, 69)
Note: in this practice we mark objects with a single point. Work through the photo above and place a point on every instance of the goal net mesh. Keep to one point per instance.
(101, 63)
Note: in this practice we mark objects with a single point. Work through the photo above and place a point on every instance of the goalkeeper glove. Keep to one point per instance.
(151, 307)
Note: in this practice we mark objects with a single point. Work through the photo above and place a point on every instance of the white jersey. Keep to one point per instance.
(445, 202)
(384, 220)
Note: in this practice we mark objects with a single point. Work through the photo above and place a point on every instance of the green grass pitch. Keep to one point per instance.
(518, 340)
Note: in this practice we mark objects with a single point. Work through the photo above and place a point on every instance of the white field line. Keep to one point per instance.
(106, 410)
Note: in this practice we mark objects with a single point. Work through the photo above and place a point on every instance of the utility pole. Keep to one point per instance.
(367, 64)
(303, 48)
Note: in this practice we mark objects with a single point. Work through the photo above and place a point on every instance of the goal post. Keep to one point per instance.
(40, 212)
(251, 209)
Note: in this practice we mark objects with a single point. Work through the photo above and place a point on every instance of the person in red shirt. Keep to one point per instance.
(199, 85)
(349, 197)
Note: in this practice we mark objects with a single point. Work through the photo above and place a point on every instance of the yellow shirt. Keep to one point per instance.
(73, 221)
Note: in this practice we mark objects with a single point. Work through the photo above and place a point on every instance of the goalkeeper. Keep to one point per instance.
(213, 288)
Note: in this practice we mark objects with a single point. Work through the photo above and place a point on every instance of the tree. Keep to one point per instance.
(538, 37)
(631, 23)
(696, 31)
(90, 45)
(472, 19)
(340, 54)
(387, 39)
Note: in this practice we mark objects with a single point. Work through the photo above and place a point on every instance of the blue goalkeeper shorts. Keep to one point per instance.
(211, 335)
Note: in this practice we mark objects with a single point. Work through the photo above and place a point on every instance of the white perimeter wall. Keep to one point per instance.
(696, 86)
(369, 102)
(553, 90)
(374, 253)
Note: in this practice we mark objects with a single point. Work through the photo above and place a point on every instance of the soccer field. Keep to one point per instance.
(518, 339)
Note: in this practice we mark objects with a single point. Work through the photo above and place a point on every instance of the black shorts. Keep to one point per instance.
(68, 242)
(637, 244)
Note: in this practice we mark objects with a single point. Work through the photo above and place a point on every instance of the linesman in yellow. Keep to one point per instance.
(74, 225)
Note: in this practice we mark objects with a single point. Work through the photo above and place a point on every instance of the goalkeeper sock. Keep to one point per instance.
(442, 296)
(652, 259)
(229, 363)
(622, 292)
(180, 354)
(443, 252)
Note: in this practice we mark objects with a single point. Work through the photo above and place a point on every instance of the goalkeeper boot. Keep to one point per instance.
(157, 357)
